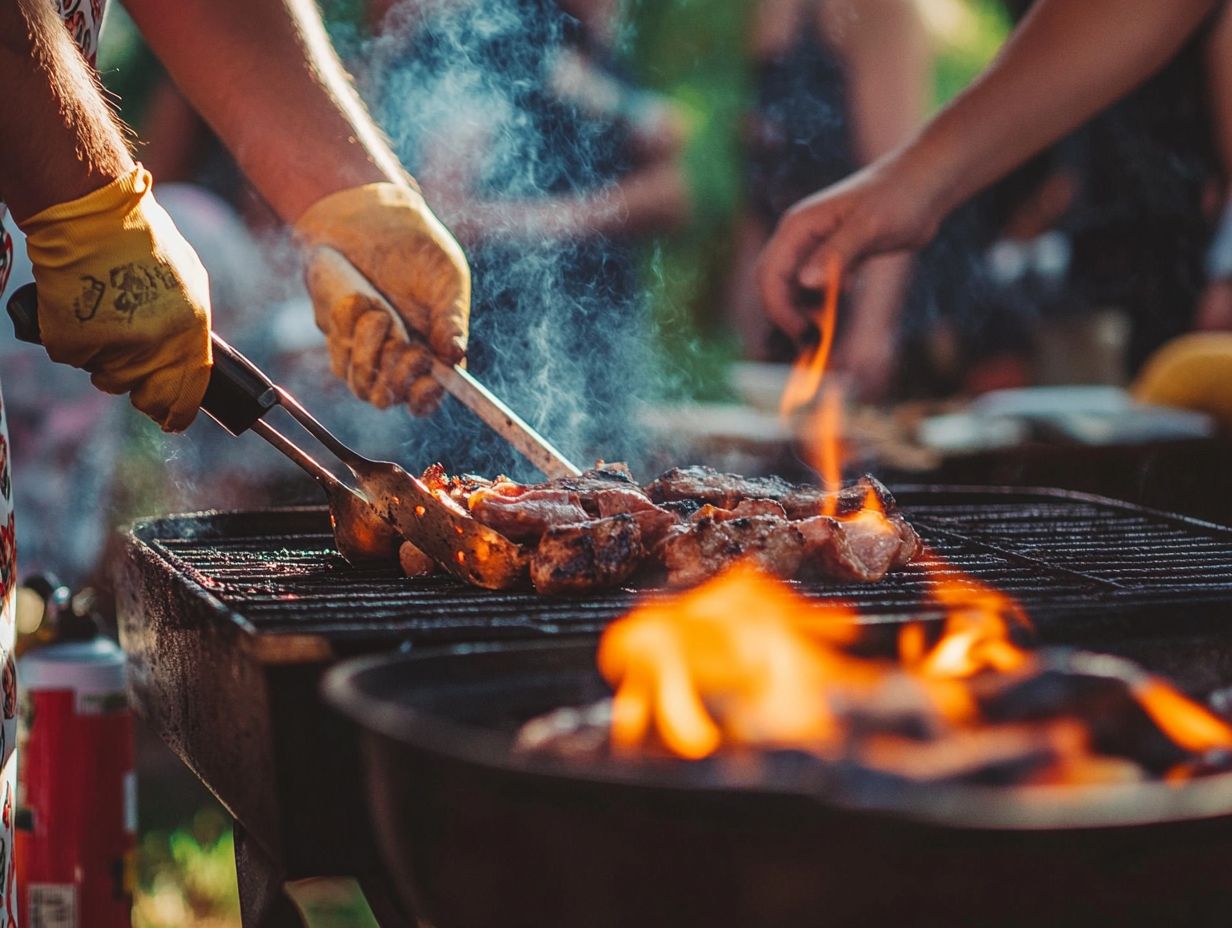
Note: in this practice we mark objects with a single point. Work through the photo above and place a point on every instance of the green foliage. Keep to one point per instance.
(693, 52)
(965, 53)
(186, 876)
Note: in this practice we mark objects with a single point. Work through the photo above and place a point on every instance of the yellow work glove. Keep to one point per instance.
(1191, 372)
(123, 296)
(391, 236)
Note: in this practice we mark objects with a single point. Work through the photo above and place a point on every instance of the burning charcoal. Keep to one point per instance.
(571, 733)
(1088, 770)
(898, 705)
(1211, 762)
(700, 551)
(1096, 688)
(592, 555)
(414, 562)
(528, 515)
(993, 755)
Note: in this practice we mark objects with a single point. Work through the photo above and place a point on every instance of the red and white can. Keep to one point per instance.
(77, 788)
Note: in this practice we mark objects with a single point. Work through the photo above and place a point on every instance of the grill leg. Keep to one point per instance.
(263, 904)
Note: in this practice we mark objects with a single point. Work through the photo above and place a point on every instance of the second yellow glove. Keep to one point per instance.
(395, 241)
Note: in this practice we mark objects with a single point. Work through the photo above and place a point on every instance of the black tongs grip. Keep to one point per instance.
(238, 393)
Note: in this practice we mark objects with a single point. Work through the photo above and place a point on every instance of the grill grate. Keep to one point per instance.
(1059, 554)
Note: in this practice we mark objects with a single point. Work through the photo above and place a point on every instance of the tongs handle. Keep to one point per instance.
(237, 395)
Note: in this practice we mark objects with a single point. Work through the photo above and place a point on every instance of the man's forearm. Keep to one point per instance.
(60, 138)
(1067, 61)
(263, 74)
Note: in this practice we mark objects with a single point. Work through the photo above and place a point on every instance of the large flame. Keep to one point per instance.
(742, 659)
(745, 662)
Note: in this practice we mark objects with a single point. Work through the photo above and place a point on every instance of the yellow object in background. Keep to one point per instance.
(1191, 372)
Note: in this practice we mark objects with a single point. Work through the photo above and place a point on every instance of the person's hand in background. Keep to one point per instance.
(394, 240)
(124, 296)
(884, 208)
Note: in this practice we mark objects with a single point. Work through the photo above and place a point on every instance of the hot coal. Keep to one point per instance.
(1068, 717)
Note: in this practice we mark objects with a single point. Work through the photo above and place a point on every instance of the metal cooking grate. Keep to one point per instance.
(1059, 554)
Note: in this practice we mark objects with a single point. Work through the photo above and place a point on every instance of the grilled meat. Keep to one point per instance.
(596, 529)
(593, 555)
(701, 550)
(863, 549)
(414, 562)
(726, 491)
(706, 485)
(749, 507)
(528, 515)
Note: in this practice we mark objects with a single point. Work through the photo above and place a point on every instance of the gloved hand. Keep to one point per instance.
(123, 296)
(391, 236)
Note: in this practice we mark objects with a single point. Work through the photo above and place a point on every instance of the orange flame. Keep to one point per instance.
(741, 659)
(805, 383)
(808, 371)
(1188, 724)
(744, 661)
(976, 632)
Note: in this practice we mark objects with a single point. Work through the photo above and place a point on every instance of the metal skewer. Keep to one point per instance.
(331, 269)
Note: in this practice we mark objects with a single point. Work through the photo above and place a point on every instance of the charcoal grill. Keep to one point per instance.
(230, 619)
(481, 836)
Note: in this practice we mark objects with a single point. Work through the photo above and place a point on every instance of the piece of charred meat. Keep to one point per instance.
(706, 485)
(415, 563)
(528, 515)
(698, 551)
(863, 549)
(594, 555)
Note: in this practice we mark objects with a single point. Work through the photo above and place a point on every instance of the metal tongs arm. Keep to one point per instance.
(239, 395)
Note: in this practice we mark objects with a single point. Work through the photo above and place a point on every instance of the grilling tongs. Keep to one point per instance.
(240, 394)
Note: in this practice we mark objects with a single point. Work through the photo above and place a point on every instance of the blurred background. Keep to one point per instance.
(612, 170)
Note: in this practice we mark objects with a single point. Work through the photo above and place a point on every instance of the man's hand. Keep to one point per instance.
(391, 236)
(881, 209)
(123, 296)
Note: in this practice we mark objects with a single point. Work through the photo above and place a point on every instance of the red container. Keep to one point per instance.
(77, 788)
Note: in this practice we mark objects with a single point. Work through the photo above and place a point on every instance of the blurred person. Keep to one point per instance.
(551, 166)
(1216, 309)
(122, 294)
(1065, 62)
(838, 83)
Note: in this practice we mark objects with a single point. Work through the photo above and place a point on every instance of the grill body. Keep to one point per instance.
(229, 620)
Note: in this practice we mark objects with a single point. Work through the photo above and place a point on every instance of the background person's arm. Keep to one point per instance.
(1215, 310)
(264, 75)
(1063, 64)
(60, 138)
